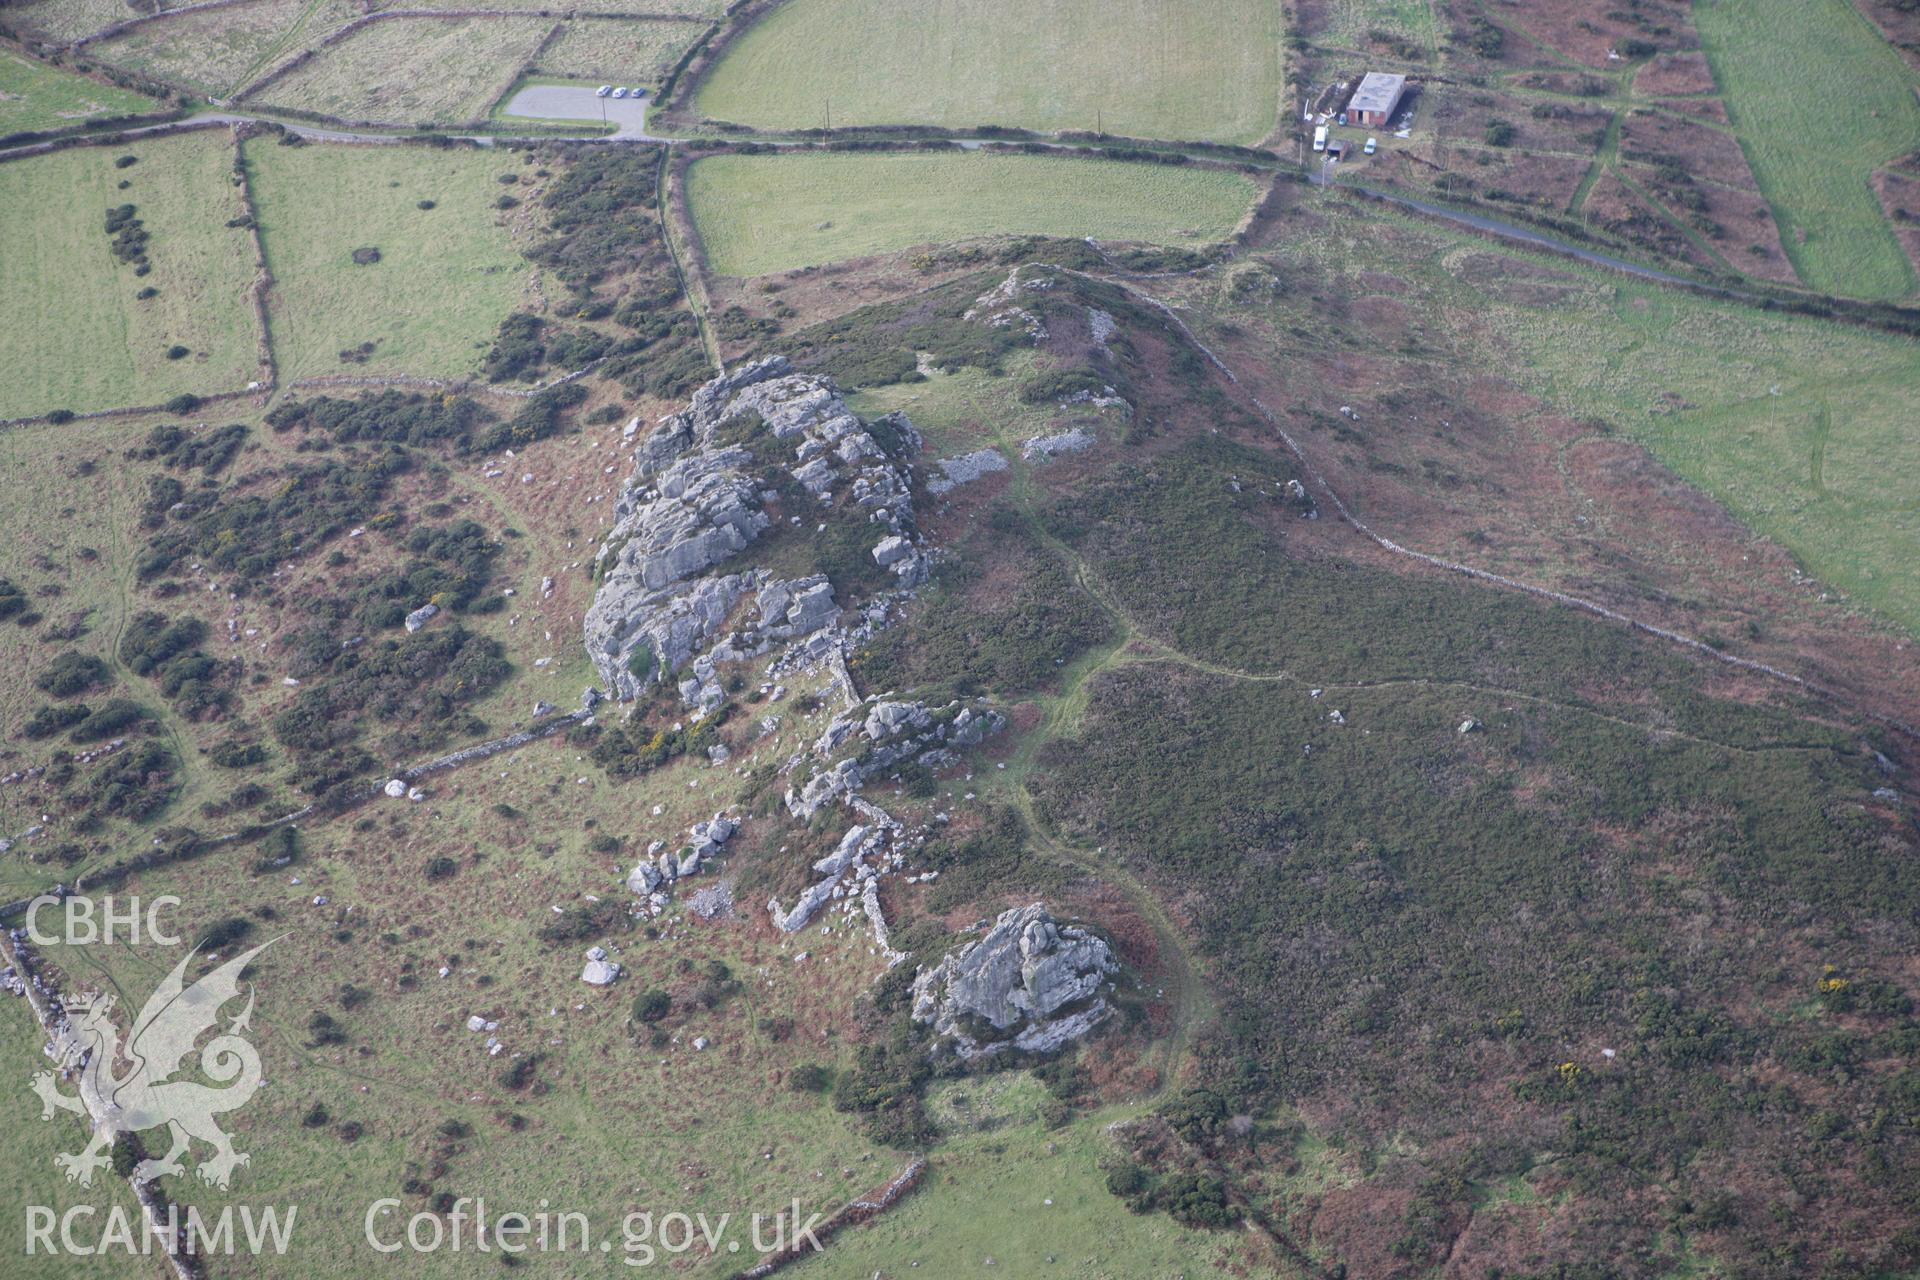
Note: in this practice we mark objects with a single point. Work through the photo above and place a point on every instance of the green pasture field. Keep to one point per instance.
(1803, 428)
(1005, 1187)
(34, 95)
(413, 70)
(619, 52)
(217, 51)
(761, 214)
(1819, 101)
(93, 344)
(446, 277)
(1144, 68)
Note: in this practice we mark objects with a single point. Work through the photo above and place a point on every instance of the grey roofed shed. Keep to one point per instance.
(1378, 94)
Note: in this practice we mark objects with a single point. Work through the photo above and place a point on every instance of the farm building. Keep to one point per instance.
(1375, 101)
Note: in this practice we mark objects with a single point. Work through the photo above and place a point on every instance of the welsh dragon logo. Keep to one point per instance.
(144, 1097)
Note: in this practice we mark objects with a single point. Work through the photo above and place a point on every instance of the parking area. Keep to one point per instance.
(579, 102)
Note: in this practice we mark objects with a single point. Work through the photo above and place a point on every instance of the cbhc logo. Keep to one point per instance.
(88, 922)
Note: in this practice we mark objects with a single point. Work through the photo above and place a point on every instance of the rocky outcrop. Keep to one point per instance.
(1031, 984)
(695, 503)
(599, 971)
(1001, 306)
(654, 876)
(871, 738)
(1045, 448)
(966, 468)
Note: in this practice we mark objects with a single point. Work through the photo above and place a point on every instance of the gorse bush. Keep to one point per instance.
(72, 673)
(184, 450)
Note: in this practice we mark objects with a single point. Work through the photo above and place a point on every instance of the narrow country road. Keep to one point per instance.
(629, 132)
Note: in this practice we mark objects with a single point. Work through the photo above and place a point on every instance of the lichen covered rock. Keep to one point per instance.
(1030, 984)
(672, 571)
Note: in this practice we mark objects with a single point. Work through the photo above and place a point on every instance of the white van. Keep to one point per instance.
(1320, 138)
(1373, 145)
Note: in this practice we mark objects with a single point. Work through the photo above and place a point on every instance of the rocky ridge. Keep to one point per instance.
(699, 497)
(873, 737)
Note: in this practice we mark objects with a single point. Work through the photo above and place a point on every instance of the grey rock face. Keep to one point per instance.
(661, 867)
(1042, 448)
(421, 616)
(885, 735)
(643, 879)
(863, 842)
(599, 973)
(694, 504)
(1034, 982)
(965, 469)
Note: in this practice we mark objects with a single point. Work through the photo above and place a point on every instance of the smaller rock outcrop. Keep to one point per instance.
(1030, 984)
(869, 739)
(653, 877)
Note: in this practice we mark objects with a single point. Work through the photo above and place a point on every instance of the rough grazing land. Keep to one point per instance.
(31, 1177)
(446, 276)
(1348, 23)
(44, 486)
(1147, 68)
(217, 51)
(704, 10)
(63, 20)
(413, 69)
(759, 214)
(1775, 416)
(1819, 102)
(36, 96)
(620, 52)
(93, 343)
(602, 1122)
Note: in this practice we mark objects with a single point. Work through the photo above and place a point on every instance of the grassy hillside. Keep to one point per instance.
(94, 343)
(36, 96)
(1819, 101)
(1148, 68)
(760, 214)
(446, 277)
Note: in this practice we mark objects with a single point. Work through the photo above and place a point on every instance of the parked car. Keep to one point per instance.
(603, 91)
(636, 93)
(1320, 138)
(1373, 145)
(619, 93)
